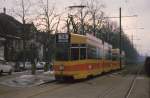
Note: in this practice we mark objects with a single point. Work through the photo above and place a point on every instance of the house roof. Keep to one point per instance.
(10, 27)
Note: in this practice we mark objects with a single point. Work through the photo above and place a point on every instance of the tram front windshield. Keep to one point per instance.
(62, 52)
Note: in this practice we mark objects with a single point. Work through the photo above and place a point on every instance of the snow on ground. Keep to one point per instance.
(27, 80)
(48, 73)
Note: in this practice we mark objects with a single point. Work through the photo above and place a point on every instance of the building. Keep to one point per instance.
(15, 37)
(17, 41)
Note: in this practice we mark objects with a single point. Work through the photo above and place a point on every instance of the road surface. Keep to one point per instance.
(120, 84)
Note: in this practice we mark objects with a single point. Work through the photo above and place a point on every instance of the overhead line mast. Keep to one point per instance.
(120, 32)
(120, 42)
(81, 11)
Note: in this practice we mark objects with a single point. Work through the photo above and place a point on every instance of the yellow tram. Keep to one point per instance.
(81, 56)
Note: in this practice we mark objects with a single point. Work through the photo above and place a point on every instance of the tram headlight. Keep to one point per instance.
(61, 68)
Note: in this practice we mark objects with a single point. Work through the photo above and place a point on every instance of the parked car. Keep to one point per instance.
(11, 64)
(5, 68)
(27, 66)
(40, 65)
(21, 66)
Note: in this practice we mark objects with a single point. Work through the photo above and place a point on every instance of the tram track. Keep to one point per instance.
(126, 86)
(132, 84)
(58, 86)
(128, 91)
(62, 86)
(108, 90)
(35, 91)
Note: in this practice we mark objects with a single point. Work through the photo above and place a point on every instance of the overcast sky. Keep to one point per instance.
(129, 8)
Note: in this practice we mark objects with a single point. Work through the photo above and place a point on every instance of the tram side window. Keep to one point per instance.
(92, 53)
(82, 53)
(108, 55)
(115, 57)
(99, 53)
(74, 53)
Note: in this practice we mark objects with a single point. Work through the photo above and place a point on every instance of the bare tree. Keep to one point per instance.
(47, 20)
(22, 9)
(95, 10)
(91, 16)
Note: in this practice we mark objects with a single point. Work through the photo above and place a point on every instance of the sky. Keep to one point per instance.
(132, 25)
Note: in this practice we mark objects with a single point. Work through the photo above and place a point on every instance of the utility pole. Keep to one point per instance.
(4, 9)
(120, 41)
(132, 40)
(120, 33)
(94, 24)
(132, 36)
(23, 12)
(23, 31)
(82, 26)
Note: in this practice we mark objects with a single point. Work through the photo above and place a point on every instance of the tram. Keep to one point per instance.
(82, 56)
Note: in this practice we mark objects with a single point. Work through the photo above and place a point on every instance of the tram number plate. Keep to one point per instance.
(62, 38)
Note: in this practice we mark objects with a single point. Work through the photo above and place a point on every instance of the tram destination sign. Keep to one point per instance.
(62, 38)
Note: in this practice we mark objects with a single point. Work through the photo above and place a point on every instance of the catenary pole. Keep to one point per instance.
(120, 34)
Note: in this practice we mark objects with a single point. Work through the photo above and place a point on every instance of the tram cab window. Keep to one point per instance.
(78, 51)
(62, 52)
(74, 53)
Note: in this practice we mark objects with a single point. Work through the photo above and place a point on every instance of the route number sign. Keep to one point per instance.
(62, 38)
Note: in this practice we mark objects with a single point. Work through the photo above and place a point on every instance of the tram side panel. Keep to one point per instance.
(78, 69)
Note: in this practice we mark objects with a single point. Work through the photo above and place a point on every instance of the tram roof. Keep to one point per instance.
(78, 39)
(85, 39)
